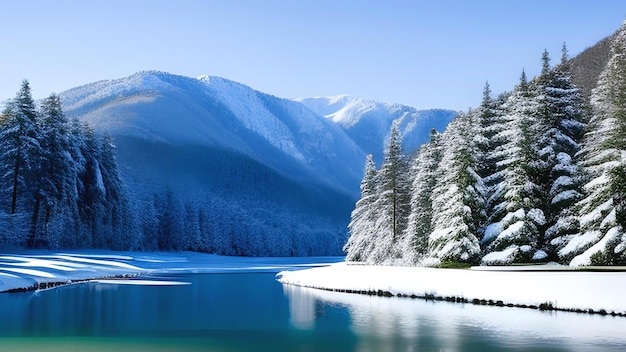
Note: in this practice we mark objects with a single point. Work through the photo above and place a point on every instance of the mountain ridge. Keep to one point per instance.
(252, 173)
(368, 122)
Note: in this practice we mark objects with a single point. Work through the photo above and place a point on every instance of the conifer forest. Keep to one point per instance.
(537, 174)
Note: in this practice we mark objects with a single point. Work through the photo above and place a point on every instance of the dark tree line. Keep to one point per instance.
(59, 180)
(60, 187)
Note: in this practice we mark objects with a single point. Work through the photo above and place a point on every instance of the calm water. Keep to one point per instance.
(252, 312)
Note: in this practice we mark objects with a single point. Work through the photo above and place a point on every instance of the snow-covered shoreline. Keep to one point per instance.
(35, 270)
(563, 289)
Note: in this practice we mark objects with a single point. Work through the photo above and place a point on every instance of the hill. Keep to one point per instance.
(213, 165)
(222, 167)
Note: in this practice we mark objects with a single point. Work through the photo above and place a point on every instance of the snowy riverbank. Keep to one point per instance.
(31, 270)
(535, 286)
(562, 289)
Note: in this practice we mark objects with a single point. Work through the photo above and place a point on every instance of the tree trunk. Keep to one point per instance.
(15, 181)
(34, 241)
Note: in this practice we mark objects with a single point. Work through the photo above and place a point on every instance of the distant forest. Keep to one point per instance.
(534, 175)
(59, 180)
(61, 187)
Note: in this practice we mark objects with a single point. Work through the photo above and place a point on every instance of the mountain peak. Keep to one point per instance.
(214, 111)
(368, 122)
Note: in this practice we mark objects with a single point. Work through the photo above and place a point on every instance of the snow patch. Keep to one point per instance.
(501, 257)
(579, 241)
(29, 269)
(596, 213)
(537, 216)
(585, 258)
(512, 230)
(602, 290)
(540, 255)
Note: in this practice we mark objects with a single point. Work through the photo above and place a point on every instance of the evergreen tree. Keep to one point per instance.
(505, 154)
(602, 238)
(457, 202)
(564, 117)
(497, 156)
(116, 217)
(363, 216)
(20, 147)
(392, 201)
(92, 192)
(424, 175)
(513, 230)
(60, 180)
(55, 187)
(20, 159)
(486, 127)
(170, 223)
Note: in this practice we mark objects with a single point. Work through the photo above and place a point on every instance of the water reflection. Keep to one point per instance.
(301, 307)
(402, 324)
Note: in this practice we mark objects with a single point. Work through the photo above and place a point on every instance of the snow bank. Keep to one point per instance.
(563, 289)
(44, 269)
(380, 319)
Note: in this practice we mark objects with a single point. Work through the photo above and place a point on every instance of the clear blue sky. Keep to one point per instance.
(426, 54)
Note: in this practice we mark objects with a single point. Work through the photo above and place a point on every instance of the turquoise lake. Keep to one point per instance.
(251, 311)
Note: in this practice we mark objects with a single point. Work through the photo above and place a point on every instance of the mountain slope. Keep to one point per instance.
(587, 66)
(213, 165)
(213, 111)
(368, 122)
(251, 174)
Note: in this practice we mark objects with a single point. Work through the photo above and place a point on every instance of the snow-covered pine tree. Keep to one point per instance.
(55, 175)
(392, 201)
(92, 192)
(514, 227)
(504, 153)
(191, 227)
(564, 116)
(490, 116)
(363, 217)
(486, 127)
(20, 144)
(424, 176)
(116, 218)
(74, 229)
(56, 189)
(20, 156)
(602, 239)
(457, 197)
(171, 223)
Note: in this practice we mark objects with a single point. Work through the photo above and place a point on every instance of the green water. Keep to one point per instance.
(252, 312)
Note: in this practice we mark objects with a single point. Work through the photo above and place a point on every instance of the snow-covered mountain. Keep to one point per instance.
(158, 107)
(247, 172)
(368, 122)
(266, 173)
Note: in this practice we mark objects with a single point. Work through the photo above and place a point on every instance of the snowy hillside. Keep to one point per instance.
(368, 122)
(213, 165)
(212, 111)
